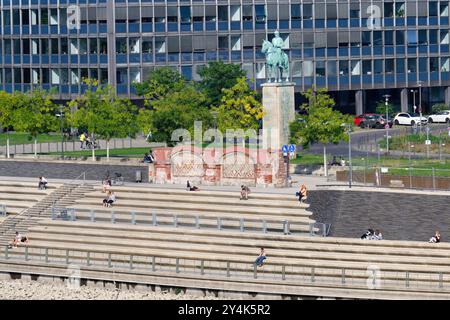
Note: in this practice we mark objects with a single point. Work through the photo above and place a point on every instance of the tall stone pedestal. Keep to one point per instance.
(279, 111)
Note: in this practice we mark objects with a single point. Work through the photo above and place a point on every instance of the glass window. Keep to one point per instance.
(44, 16)
(377, 38)
(331, 68)
(443, 8)
(103, 76)
(54, 44)
(445, 64)
(400, 65)
(343, 67)
(307, 11)
(433, 36)
(307, 68)
(247, 13)
(6, 18)
(412, 65)
(26, 46)
(433, 8)
(378, 66)
(54, 17)
(121, 45)
(389, 38)
(83, 46)
(64, 46)
(25, 17)
(399, 9)
(260, 11)
(16, 17)
(423, 37)
(356, 67)
(354, 13)
(412, 37)
(35, 17)
(93, 47)
(16, 43)
(366, 38)
(400, 37)
(444, 36)
(103, 46)
(185, 14)
(44, 46)
(389, 66)
(147, 45)
(434, 64)
(423, 64)
(73, 46)
(135, 45)
(320, 68)
(388, 9)
(222, 13)
(367, 67)
(295, 12)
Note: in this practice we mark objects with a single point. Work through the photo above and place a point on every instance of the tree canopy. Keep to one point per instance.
(239, 108)
(216, 76)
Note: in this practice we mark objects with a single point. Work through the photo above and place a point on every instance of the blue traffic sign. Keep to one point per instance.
(292, 148)
(284, 148)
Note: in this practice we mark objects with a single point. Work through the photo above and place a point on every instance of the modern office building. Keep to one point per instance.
(359, 50)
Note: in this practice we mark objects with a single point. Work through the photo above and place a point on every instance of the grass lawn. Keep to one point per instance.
(25, 138)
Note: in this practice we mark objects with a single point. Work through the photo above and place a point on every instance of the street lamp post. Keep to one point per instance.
(420, 105)
(61, 115)
(386, 97)
(414, 100)
(350, 175)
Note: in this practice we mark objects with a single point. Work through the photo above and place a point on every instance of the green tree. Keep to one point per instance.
(217, 76)
(438, 107)
(239, 108)
(7, 103)
(178, 110)
(381, 108)
(103, 113)
(144, 121)
(35, 113)
(322, 124)
(160, 83)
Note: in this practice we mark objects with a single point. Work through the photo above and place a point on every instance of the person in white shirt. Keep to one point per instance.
(42, 183)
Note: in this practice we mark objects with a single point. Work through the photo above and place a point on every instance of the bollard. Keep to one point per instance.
(53, 213)
(441, 280)
(153, 264)
(434, 180)
(6, 252)
(219, 223)
(26, 253)
(255, 271)
(177, 265)
(154, 219)
(202, 267)
(197, 222)
(283, 272)
(313, 278)
(67, 256)
(241, 224)
(72, 214)
(92, 216)
(109, 261)
(175, 221)
(46, 255)
(264, 226)
(407, 279)
(131, 262)
(88, 258)
(133, 217)
(113, 217)
(286, 227)
(343, 276)
(228, 269)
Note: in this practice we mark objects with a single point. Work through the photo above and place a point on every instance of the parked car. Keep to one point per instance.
(373, 120)
(442, 116)
(362, 118)
(408, 119)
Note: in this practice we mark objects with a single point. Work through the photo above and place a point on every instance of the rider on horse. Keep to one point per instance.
(277, 42)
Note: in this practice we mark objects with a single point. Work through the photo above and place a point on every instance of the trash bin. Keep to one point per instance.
(138, 176)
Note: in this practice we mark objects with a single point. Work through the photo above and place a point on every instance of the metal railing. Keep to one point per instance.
(370, 276)
(319, 229)
(173, 220)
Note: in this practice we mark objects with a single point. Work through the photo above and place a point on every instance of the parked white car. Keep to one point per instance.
(442, 116)
(409, 119)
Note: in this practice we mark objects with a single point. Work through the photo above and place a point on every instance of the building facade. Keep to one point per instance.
(359, 50)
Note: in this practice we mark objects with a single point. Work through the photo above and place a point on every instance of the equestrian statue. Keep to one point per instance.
(277, 62)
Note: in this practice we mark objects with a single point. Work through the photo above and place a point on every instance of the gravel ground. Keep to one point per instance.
(33, 290)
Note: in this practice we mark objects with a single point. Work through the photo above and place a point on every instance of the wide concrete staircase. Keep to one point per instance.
(204, 207)
(196, 258)
(26, 204)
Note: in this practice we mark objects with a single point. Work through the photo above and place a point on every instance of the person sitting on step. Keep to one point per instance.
(18, 238)
(245, 191)
(108, 202)
(190, 187)
(436, 238)
(42, 183)
(260, 260)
